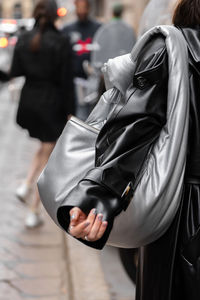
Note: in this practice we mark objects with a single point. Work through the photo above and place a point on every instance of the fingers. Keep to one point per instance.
(91, 218)
(91, 228)
(81, 229)
(98, 228)
(75, 215)
(101, 231)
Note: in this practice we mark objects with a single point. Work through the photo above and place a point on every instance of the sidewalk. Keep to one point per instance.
(87, 277)
(41, 263)
(32, 262)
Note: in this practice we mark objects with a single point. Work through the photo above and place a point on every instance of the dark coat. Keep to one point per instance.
(81, 35)
(47, 96)
(170, 267)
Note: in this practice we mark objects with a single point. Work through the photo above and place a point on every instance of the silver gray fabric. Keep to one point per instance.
(157, 197)
(158, 193)
(73, 155)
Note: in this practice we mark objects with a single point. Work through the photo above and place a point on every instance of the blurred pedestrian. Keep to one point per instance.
(112, 39)
(22, 29)
(81, 33)
(169, 267)
(43, 56)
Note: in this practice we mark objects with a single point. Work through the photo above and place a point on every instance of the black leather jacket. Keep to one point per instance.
(128, 135)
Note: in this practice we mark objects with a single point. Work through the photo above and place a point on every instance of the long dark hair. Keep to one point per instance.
(45, 14)
(187, 13)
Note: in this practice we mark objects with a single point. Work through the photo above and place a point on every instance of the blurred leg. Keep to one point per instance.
(37, 166)
(33, 218)
(39, 161)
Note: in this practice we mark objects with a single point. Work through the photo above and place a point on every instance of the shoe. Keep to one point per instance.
(33, 220)
(23, 191)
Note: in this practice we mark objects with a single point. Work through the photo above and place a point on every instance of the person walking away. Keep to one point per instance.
(43, 56)
(112, 39)
(81, 33)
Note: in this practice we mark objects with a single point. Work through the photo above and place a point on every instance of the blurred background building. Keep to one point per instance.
(101, 8)
(133, 10)
(16, 8)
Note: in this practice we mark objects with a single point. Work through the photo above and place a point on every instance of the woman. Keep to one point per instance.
(169, 268)
(43, 56)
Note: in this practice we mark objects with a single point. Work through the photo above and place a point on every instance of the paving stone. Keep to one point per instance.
(84, 271)
(31, 254)
(6, 273)
(41, 270)
(32, 262)
(39, 287)
(39, 239)
(6, 256)
(60, 297)
(8, 292)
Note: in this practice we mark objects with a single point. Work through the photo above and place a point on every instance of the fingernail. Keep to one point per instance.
(105, 223)
(100, 217)
(87, 224)
(73, 217)
(94, 211)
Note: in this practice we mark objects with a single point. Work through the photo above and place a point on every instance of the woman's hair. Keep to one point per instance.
(187, 13)
(45, 13)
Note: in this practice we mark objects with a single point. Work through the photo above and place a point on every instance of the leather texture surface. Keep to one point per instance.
(158, 193)
(73, 155)
(169, 268)
(73, 152)
(133, 125)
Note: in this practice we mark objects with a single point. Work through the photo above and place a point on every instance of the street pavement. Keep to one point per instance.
(32, 262)
(43, 263)
(120, 286)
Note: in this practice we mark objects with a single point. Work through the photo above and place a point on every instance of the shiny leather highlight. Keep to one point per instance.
(135, 124)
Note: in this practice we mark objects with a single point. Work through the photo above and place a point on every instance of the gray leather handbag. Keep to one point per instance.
(158, 193)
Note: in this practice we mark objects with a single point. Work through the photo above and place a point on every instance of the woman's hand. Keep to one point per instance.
(90, 228)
